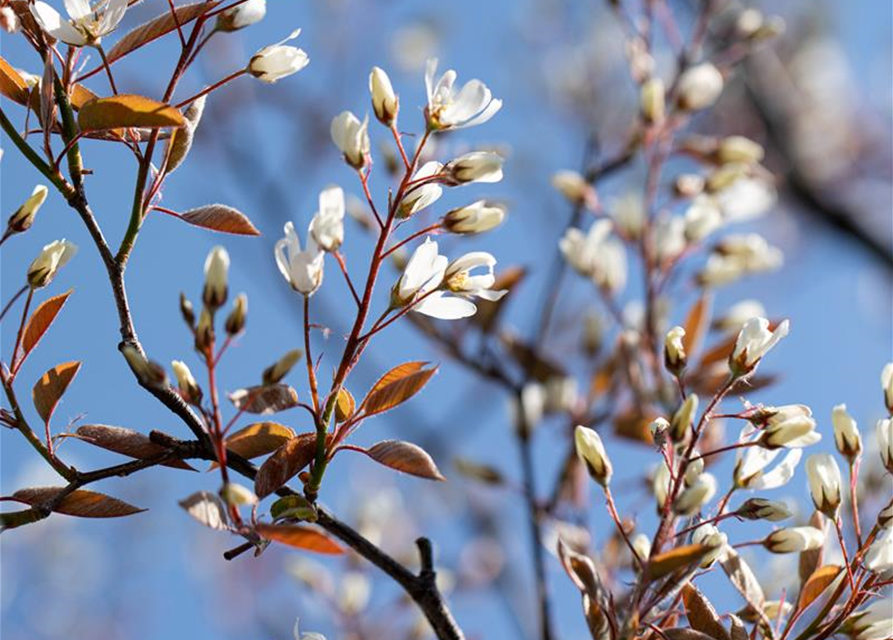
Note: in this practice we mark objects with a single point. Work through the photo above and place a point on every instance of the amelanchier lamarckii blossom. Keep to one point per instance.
(86, 25)
(591, 453)
(459, 281)
(476, 217)
(754, 341)
(422, 275)
(278, 61)
(189, 389)
(874, 622)
(242, 15)
(351, 136)
(477, 166)
(302, 269)
(24, 216)
(824, 483)
(884, 432)
(699, 87)
(421, 193)
(675, 357)
(216, 268)
(693, 498)
(385, 102)
(846, 433)
(473, 104)
(596, 255)
(327, 226)
(879, 557)
(887, 385)
(794, 540)
(45, 266)
(718, 542)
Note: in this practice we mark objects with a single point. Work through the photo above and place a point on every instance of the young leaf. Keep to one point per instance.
(678, 558)
(12, 85)
(51, 387)
(39, 322)
(696, 324)
(265, 399)
(406, 457)
(127, 110)
(156, 28)
(126, 442)
(397, 386)
(701, 614)
(81, 503)
(299, 537)
(742, 577)
(207, 509)
(259, 439)
(820, 580)
(285, 463)
(344, 405)
(219, 217)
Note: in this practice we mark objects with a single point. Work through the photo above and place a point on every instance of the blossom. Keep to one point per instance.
(423, 273)
(754, 341)
(86, 26)
(699, 87)
(573, 187)
(683, 418)
(352, 138)
(278, 61)
(752, 461)
(189, 389)
(242, 15)
(887, 385)
(596, 255)
(709, 536)
(745, 199)
(884, 432)
(235, 494)
(45, 266)
(737, 256)
(216, 268)
(327, 226)
(696, 496)
(591, 453)
(669, 238)
(235, 321)
(738, 314)
(23, 218)
(651, 100)
(477, 166)
(385, 103)
(824, 482)
(303, 269)
(874, 622)
(739, 149)
(674, 349)
(457, 279)
(762, 509)
(701, 218)
(422, 193)
(296, 632)
(476, 217)
(846, 433)
(660, 483)
(879, 557)
(790, 433)
(628, 212)
(473, 104)
(794, 540)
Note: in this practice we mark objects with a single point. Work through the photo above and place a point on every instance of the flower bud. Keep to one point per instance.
(874, 622)
(651, 100)
(592, 454)
(794, 540)
(879, 557)
(735, 149)
(477, 166)
(278, 61)
(327, 226)
(477, 217)
(738, 314)
(702, 218)
(274, 373)
(236, 495)
(593, 332)
(187, 310)
(709, 536)
(659, 428)
(352, 138)
(45, 266)
(660, 484)
(216, 267)
(884, 432)
(235, 321)
(762, 509)
(150, 374)
(189, 389)
(385, 102)
(846, 433)
(683, 418)
(797, 431)
(24, 216)
(724, 176)
(675, 357)
(243, 15)
(688, 185)
(694, 469)
(696, 496)
(642, 546)
(574, 188)
(754, 341)
(204, 332)
(699, 87)
(887, 385)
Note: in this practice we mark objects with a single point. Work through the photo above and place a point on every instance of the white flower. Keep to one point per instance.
(628, 212)
(683, 418)
(305, 636)
(754, 341)
(738, 314)
(674, 349)
(824, 483)
(755, 254)
(352, 138)
(708, 535)
(642, 546)
(419, 196)
(660, 484)
(216, 268)
(476, 217)
(752, 461)
(884, 432)
(302, 269)
(87, 25)
(385, 103)
(745, 199)
(278, 61)
(327, 226)
(242, 15)
(574, 187)
(423, 273)
(762, 509)
(879, 557)
(45, 266)
(792, 433)
(696, 496)
(533, 404)
(887, 385)
(794, 540)
(702, 218)
(189, 388)
(699, 87)
(651, 100)
(562, 394)
(874, 622)
(477, 166)
(596, 255)
(235, 494)
(457, 279)
(23, 218)
(846, 433)
(739, 149)
(591, 453)
(448, 109)
(669, 238)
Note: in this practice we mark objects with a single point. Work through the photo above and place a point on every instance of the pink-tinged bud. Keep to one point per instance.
(794, 540)
(591, 453)
(385, 102)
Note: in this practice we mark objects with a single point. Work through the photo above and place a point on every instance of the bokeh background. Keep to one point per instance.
(820, 100)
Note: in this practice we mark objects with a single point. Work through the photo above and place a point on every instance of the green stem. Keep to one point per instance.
(31, 155)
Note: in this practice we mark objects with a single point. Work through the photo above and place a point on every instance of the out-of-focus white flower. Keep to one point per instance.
(352, 138)
(309, 635)
(651, 100)
(738, 314)
(660, 484)
(562, 394)
(745, 199)
(189, 388)
(457, 279)
(421, 194)
(476, 166)
(423, 273)
(794, 540)
(683, 418)
(86, 25)
(23, 218)
(696, 496)
(278, 61)
(533, 404)
(752, 249)
(669, 238)
(9, 20)
(596, 255)
(216, 268)
(846, 433)
(385, 103)
(762, 509)
(574, 187)
(887, 385)
(447, 108)
(699, 87)
(628, 212)
(242, 15)
(884, 432)
(824, 482)
(879, 557)
(476, 217)
(739, 149)
(885, 517)
(708, 535)
(702, 218)
(355, 592)
(327, 226)
(642, 546)
(591, 453)
(754, 341)
(236, 495)
(675, 357)
(752, 461)
(874, 622)
(45, 266)
(302, 269)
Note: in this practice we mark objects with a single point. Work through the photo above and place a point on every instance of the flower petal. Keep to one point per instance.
(438, 305)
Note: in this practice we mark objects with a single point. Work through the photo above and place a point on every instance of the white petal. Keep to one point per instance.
(114, 12)
(444, 307)
(78, 9)
(430, 70)
(52, 23)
